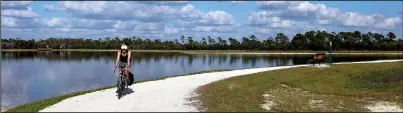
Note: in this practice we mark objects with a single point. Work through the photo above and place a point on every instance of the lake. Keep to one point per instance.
(32, 76)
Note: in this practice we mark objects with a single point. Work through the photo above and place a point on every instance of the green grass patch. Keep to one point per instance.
(41, 104)
(340, 88)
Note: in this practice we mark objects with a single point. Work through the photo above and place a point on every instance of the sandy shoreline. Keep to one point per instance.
(162, 95)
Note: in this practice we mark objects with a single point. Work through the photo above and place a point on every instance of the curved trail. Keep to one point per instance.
(165, 95)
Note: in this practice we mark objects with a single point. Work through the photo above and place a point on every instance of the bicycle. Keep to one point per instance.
(122, 85)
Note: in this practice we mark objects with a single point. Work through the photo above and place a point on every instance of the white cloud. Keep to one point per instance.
(327, 13)
(213, 28)
(90, 7)
(390, 23)
(196, 26)
(17, 9)
(91, 24)
(217, 18)
(263, 31)
(75, 23)
(274, 5)
(19, 13)
(54, 22)
(323, 29)
(8, 21)
(268, 19)
(125, 24)
(169, 30)
(53, 8)
(85, 19)
(358, 20)
(262, 18)
(114, 10)
(187, 8)
(299, 9)
(151, 18)
(64, 32)
(189, 13)
(142, 14)
(283, 24)
(306, 7)
(17, 5)
(190, 19)
(11, 22)
(164, 2)
(184, 24)
(111, 30)
(238, 2)
(150, 26)
(303, 10)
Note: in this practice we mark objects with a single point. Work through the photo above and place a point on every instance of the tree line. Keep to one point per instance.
(310, 40)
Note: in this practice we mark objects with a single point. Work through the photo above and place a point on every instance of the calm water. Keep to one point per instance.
(32, 76)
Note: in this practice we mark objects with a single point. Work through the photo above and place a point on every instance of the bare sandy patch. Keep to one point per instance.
(317, 104)
(383, 106)
(268, 102)
(233, 86)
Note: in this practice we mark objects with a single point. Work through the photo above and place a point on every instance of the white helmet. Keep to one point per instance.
(123, 46)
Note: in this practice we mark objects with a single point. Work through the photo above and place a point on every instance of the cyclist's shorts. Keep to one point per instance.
(122, 65)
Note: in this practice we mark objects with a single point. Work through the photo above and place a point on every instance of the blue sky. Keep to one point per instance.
(171, 19)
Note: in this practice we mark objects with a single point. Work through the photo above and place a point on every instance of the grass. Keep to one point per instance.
(41, 104)
(340, 88)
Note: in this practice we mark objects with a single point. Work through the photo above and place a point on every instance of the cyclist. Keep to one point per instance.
(123, 61)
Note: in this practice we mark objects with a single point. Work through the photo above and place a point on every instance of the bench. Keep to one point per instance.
(319, 57)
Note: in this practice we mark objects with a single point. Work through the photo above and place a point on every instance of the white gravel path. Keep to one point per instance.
(165, 95)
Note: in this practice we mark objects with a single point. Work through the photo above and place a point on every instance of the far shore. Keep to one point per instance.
(222, 51)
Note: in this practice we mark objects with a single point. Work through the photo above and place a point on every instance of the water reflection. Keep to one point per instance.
(31, 76)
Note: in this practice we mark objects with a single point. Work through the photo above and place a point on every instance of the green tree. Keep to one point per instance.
(269, 43)
(299, 42)
(281, 41)
(234, 44)
(391, 36)
(246, 43)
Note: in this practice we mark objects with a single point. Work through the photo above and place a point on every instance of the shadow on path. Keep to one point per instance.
(129, 91)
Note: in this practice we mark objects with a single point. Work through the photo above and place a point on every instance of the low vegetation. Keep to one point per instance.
(340, 88)
(41, 104)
